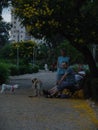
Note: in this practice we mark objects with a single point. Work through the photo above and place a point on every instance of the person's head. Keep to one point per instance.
(63, 52)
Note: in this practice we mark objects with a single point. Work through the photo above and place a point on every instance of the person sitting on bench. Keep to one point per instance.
(66, 81)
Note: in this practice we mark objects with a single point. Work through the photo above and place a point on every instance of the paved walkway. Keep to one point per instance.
(19, 112)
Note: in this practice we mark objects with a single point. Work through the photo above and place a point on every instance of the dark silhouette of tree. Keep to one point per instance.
(56, 20)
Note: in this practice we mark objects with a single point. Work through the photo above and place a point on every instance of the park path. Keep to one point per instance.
(19, 112)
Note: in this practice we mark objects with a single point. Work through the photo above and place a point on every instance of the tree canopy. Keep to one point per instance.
(75, 20)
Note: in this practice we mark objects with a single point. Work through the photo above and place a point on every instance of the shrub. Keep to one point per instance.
(4, 72)
(13, 69)
(5, 51)
(35, 68)
(23, 69)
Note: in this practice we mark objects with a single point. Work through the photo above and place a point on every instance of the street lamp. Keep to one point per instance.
(17, 49)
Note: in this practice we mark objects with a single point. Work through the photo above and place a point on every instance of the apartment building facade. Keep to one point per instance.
(18, 31)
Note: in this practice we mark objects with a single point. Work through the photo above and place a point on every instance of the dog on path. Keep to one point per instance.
(37, 87)
(11, 88)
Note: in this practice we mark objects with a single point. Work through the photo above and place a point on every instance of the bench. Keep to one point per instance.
(72, 91)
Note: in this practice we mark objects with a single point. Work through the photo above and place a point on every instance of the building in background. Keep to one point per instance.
(19, 33)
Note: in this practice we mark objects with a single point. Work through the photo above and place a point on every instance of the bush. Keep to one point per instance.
(23, 69)
(4, 72)
(13, 69)
(5, 51)
(35, 68)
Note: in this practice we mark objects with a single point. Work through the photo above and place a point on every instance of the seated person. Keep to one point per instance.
(67, 80)
(80, 74)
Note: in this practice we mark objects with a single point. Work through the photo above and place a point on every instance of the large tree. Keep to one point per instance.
(56, 20)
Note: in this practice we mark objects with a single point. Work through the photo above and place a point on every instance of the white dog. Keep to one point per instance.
(9, 87)
(37, 87)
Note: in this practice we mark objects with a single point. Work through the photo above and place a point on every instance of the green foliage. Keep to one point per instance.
(23, 69)
(4, 72)
(35, 68)
(72, 52)
(26, 51)
(13, 69)
(74, 20)
(42, 52)
(4, 33)
(5, 51)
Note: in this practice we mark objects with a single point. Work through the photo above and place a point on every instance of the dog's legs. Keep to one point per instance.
(38, 90)
(12, 90)
(37, 93)
(3, 88)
